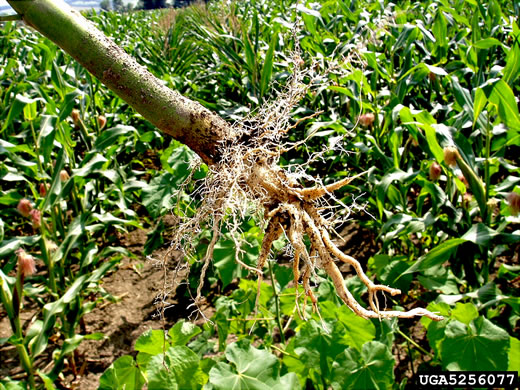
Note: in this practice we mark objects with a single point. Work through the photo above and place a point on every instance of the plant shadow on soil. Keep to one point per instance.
(135, 284)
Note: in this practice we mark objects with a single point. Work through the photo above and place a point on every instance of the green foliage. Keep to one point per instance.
(433, 73)
(249, 368)
(82, 181)
(123, 374)
(369, 369)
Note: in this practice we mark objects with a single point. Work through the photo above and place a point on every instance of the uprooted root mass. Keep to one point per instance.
(249, 180)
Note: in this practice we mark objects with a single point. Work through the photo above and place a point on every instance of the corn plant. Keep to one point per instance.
(421, 95)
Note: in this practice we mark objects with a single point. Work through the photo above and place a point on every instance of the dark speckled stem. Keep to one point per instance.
(183, 119)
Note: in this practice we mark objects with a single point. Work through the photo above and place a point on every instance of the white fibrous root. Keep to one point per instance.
(249, 182)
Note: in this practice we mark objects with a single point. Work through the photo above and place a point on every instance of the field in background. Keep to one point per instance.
(79, 170)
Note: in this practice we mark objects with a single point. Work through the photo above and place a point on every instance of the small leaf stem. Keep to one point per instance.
(284, 352)
(276, 301)
(414, 343)
(37, 147)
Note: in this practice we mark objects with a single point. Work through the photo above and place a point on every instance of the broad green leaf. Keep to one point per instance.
(123, 374)
(386, 181)
(54, 194)
(10, 198)
(46, 136)
(152, 342)
(406, 37)
(283, 275)
(224, 261)
(154, 238)
(68, 104)
(158, 195)
(391, 275)
(512, 69)
(16, 108)
(478, 104)
(514, 355)
(354, 330)
(223, 377)
(182, 332)
(224, 257)
(8, 247)
(438, 278)
(252, 369)
(502, 95)
(7, 284)
(315, 347)
(358, 330)
(480, 234)
(441, 308)
(464, 312)
(110, 136)
(251, 361)
(90, 165)
(479, 346)
(464, 99)
(177, 369)
(149, 136)
(372, 368)
(440, 31)
(268, 65)
(436, 335)
(437, 255)
(165, 157)
(486, 43)
(29, 111)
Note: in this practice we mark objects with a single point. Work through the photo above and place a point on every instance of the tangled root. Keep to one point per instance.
(249, 180)
(295, 211)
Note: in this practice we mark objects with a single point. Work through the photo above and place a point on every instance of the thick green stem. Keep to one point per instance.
(48, 260)
(487, 175)
(26, 364)
(185, 120)
(475, 184)
(25, 359)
